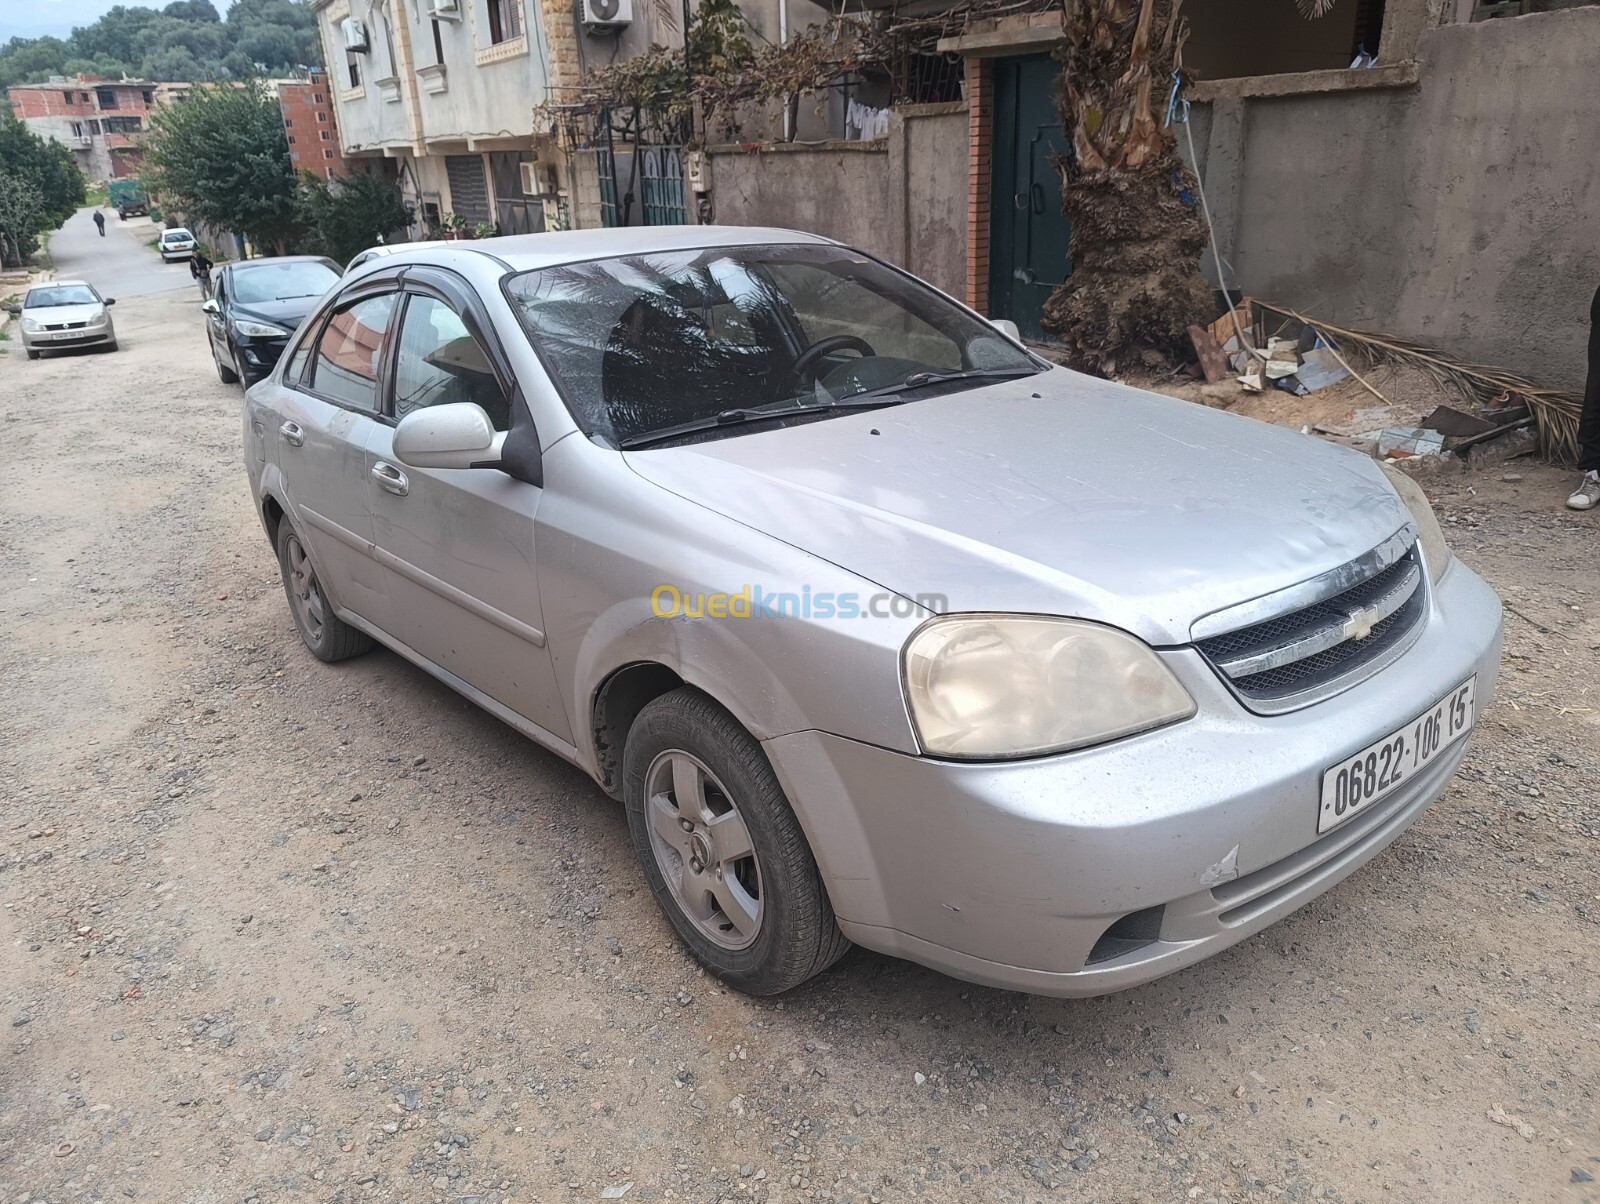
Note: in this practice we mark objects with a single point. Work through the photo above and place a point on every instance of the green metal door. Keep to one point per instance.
(1028, 256)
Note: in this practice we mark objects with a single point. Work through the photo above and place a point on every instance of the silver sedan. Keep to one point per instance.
(883, 629)
(63, 315)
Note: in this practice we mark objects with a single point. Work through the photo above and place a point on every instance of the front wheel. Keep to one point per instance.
(722, 850)
(226, 375)
(328, 636)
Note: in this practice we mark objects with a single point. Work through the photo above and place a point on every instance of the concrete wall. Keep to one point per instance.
(903, 197)
(1463, 211)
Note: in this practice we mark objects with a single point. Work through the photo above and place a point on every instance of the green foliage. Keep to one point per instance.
(346, 215)
(186, 40)
(40, 187)
(221, 157)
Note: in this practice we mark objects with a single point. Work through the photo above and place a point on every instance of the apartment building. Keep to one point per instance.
(100, 120)
(448, 90)
(312, 126)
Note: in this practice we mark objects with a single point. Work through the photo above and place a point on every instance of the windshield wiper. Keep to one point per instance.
(918, 379)
(748, 414)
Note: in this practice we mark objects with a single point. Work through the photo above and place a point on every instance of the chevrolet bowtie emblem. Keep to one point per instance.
(1360, 624)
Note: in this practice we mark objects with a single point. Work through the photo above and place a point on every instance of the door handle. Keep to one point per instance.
(1036, 194)
(391, 478)
(292, 434)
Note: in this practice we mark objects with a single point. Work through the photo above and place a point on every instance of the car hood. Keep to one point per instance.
(288, 313)
(1056, 494)
(55, 315)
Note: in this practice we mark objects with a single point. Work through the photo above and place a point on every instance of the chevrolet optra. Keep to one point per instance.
(882, 628)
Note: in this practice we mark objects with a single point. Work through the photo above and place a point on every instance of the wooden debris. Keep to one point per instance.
(1213, 360)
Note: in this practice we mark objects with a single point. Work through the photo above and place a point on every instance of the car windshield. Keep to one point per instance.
(656, 342)
(281, 281)
(176, 236)
(60, 294)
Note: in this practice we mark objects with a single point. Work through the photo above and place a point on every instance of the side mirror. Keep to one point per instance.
(210, 307)
(1007, 327)
(109, 301)
(458, 435)
(14, 310)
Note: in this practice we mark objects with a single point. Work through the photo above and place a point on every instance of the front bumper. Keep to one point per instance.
(1102, 869)
(66, 340)
(258, 357)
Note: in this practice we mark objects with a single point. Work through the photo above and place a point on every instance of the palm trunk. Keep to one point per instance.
(1136, 242)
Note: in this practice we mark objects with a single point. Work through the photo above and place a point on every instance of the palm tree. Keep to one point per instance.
(1137, 234)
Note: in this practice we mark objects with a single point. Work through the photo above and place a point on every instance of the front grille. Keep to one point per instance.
(67, 326)
(1298, 658)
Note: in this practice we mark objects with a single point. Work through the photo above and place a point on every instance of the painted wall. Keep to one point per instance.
(1463, 211)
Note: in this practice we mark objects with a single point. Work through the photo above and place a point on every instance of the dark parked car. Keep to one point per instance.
(256, 305)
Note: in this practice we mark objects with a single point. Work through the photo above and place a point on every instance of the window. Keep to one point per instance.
(438, 43)
(107, 98)
(316, 98)
(123, 125)
(439, 362)
(505, 20)
(77, 129)
(297, 363)
(148, 96)
(322, 117)
(94, 127)
(287, 124)
(291, 139)
(346, 366)
(355, 70)
(327, 154)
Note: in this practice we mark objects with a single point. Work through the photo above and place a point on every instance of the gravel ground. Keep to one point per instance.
(278, 930)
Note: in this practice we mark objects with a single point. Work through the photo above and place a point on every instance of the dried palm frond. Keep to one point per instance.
(1312, 9)
(1555, 411)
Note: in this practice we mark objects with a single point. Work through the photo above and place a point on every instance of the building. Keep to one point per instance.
(448, 90)
(312, 126)
(100, 120)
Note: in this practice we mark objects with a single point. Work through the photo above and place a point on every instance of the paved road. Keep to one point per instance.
(120, 264)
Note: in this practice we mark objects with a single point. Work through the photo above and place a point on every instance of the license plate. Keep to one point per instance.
(1378, 770)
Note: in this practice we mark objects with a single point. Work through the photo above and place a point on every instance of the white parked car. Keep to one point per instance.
(176, 244)
(389, 248)
(65, 314)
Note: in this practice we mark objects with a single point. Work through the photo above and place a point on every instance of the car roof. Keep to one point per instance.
(178, 230)
(523, 252)
(268, 260)
(58, 284)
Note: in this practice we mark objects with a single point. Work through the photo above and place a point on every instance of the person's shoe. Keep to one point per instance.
(1587, 495)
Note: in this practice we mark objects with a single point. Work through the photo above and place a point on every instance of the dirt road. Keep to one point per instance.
(276, 930)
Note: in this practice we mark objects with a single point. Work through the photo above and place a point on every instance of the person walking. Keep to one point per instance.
(1587, 495)
(200, 269)
(100, 222)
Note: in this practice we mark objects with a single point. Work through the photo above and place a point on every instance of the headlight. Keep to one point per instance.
(991, 687)
(99, 319)
(31, 326)
(1435, 552)
(258, 330)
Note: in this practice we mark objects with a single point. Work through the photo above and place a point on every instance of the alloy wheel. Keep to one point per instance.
(305, 593)
(703, 849)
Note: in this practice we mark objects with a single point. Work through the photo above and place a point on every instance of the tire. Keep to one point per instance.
(32, 354)
(112, 345)
(328, 637)
(790, 936)
(227, 375)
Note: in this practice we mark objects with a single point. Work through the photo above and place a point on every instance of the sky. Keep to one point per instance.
(35, 18)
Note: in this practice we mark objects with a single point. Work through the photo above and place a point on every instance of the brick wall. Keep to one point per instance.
(312, 127)
(980, 142)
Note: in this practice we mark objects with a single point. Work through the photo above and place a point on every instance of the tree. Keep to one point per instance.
(42, 187)
(1137, 235)
(222, 158)
(348, 214)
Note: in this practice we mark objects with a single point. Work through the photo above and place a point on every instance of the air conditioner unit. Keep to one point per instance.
(450, 10)
(607, 14)
(355, 34)
(538, 179)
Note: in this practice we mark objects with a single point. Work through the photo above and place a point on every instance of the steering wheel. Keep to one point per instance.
(805, 366)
